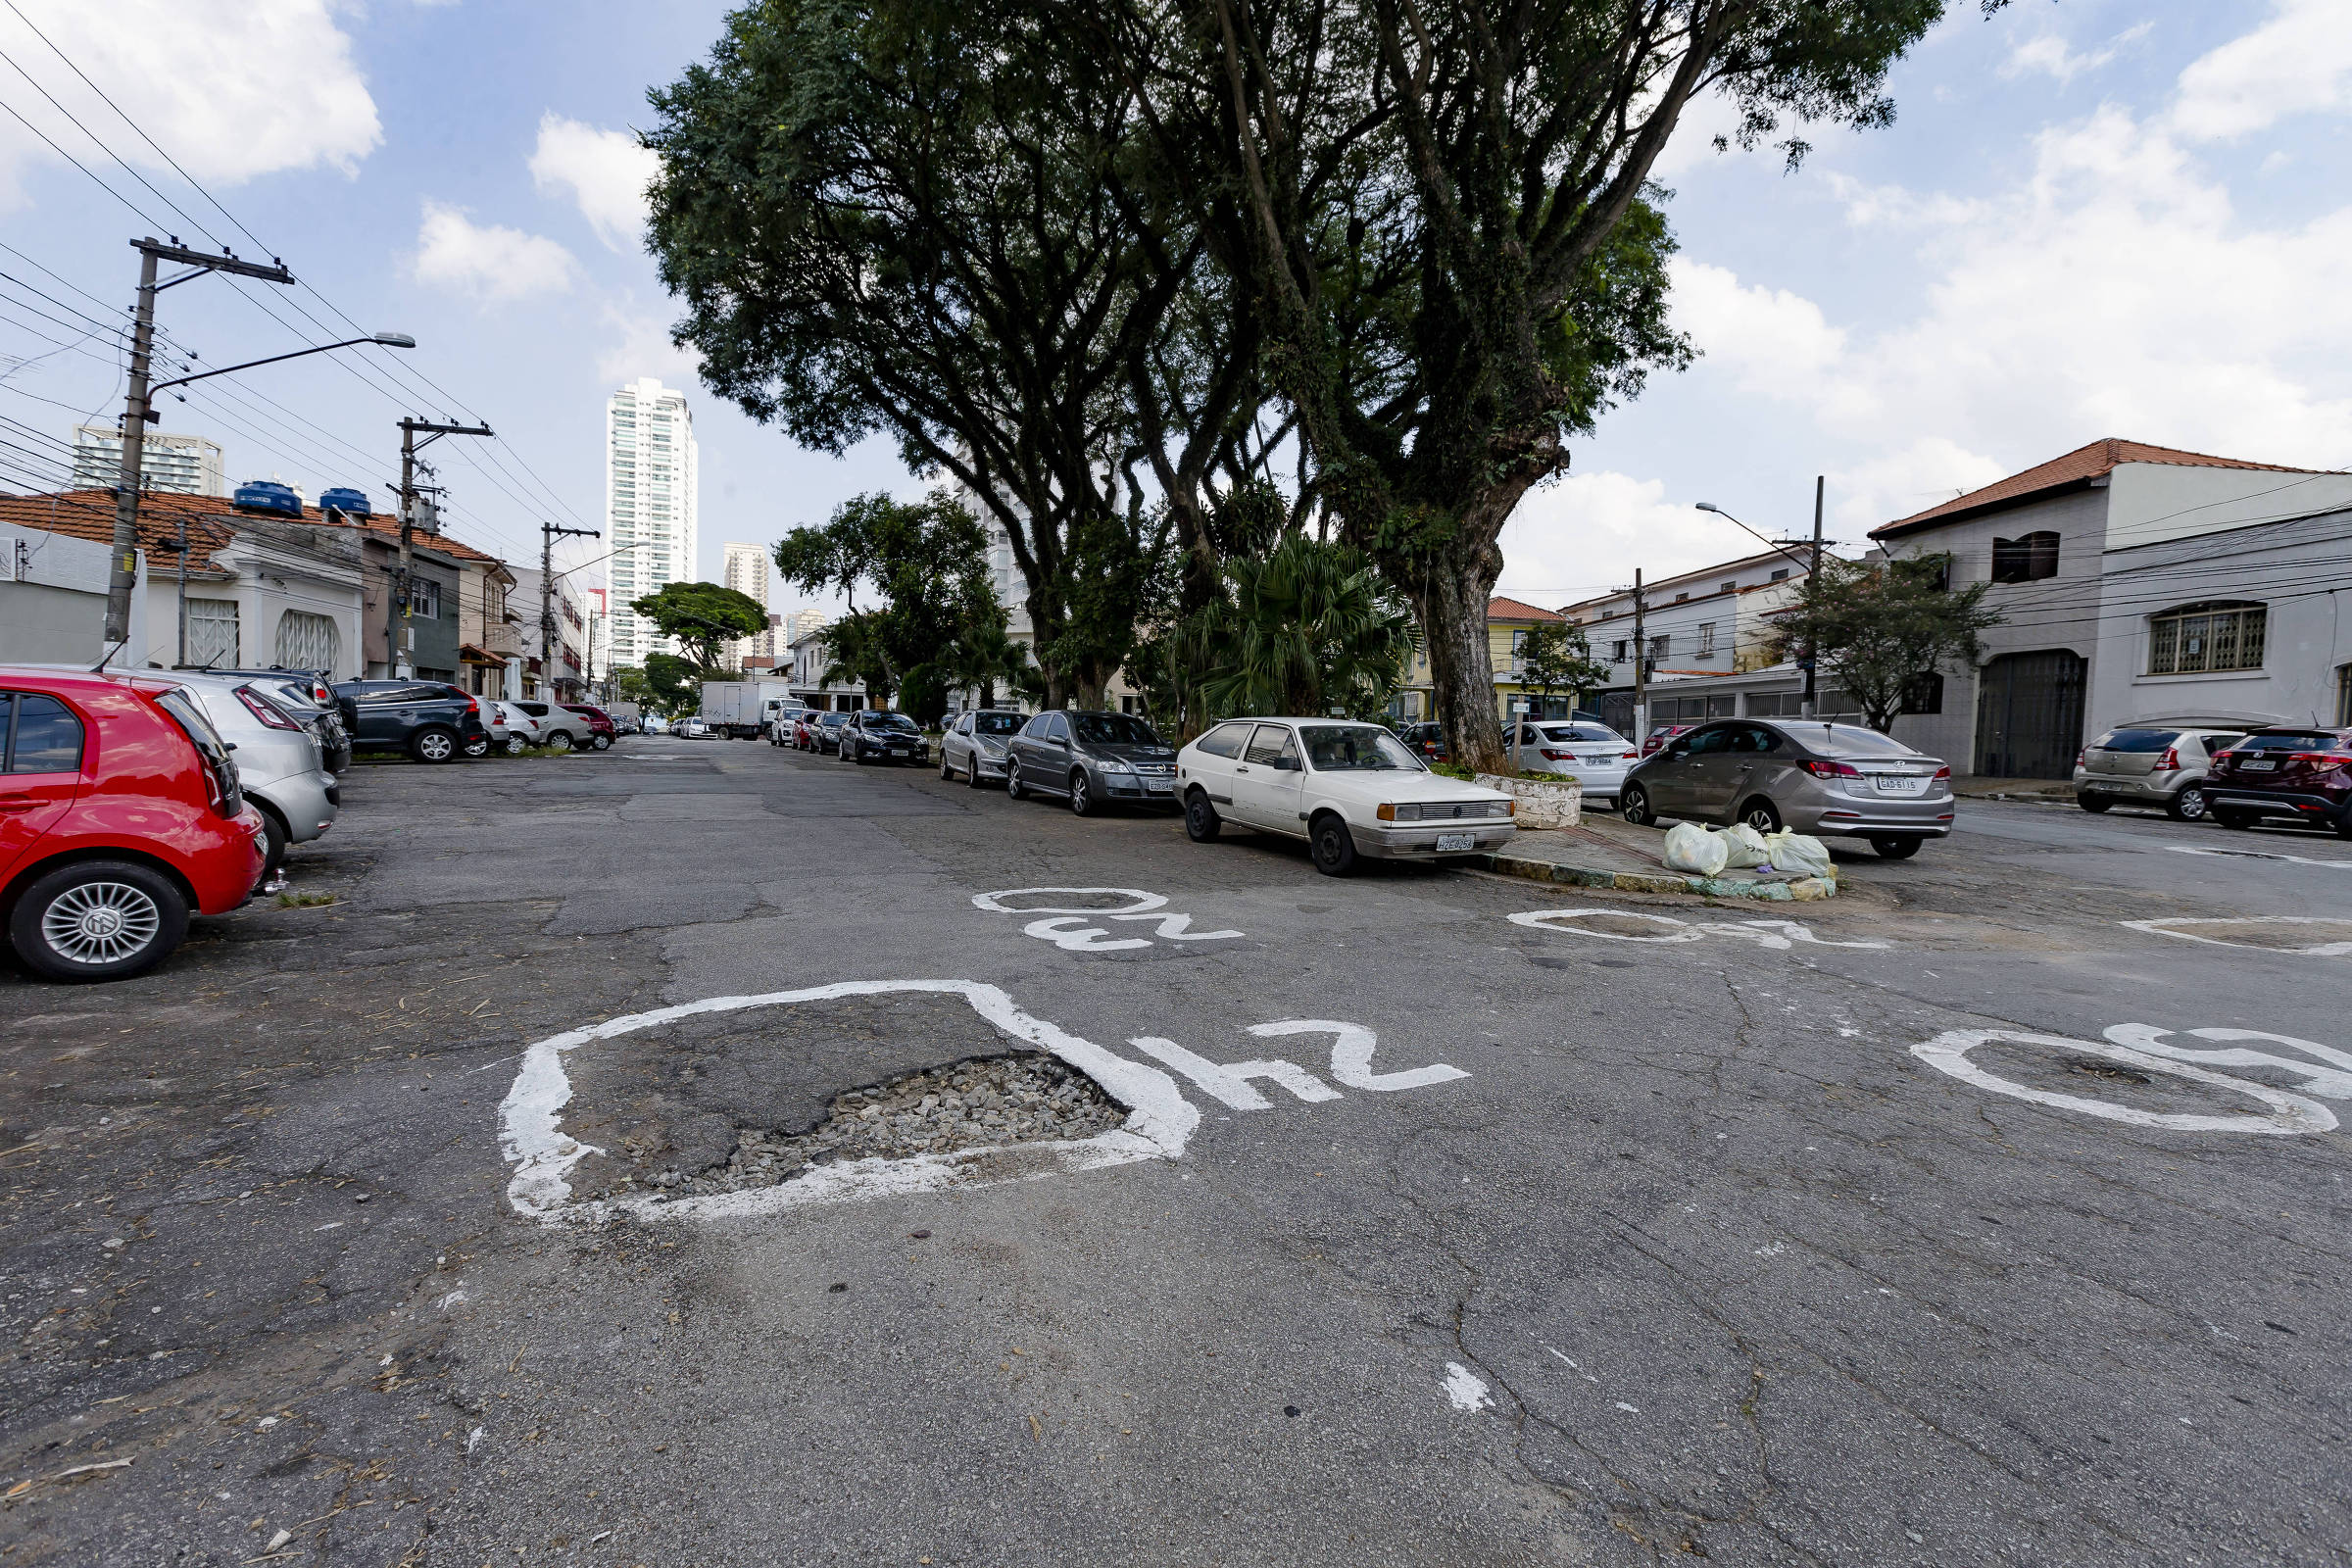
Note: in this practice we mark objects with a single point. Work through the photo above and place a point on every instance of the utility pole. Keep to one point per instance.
(1813, 581)
(123, 580)
(1641, 669)
(398, 635)
(549, 533)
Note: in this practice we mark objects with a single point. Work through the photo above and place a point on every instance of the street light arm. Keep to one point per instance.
(1805, 558)
(396, 340)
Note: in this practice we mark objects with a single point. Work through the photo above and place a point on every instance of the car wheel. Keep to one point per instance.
(98, 920)
(479, 746)
(1633, 804)
(1200, 819)
(516, 746)
(603, 743)
(2093, 802)
(947, 774)
(560, 740)
(2187, 804)
(1893, 849)
(971, 774)
(435, 744)
(1012, 782)
(1082, 796)
(274, 839)
(1332, 845)
(857, 753)
(1761, 815)
(2229, 818)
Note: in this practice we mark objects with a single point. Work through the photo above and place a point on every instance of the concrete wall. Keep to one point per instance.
(54, 611)
(2150, 503)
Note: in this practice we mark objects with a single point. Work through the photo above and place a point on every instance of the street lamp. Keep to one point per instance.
(390, 340)
(1812, 566)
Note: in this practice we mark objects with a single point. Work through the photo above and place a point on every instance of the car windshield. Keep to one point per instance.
(996, 723)
(832, 721)
(1846, 740)
(1357, 749)
(1591, 734)
(2135, 740)
(2287, 741)
(885, 721)
(1112, 729)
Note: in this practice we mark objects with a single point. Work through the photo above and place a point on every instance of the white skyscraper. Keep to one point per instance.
(745, 572)
(167, 460)
(649, 506)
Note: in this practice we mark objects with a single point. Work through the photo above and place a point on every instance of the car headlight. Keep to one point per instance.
(1112, 764)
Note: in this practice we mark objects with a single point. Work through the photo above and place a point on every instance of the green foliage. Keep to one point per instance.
(672, 685)
(1878, 626)
(1557, 658)
(703, 617)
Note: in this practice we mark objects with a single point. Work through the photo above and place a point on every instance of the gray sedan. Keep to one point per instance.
(1091, 760)
(974, 745)
(1835, 780)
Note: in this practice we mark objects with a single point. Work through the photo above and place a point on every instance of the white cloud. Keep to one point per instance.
(1584, 534)
(489, 262)
(606, 172)
(1762, 335)
(2298, 62)
(232, 88)
(2054, 56)
(641, 346)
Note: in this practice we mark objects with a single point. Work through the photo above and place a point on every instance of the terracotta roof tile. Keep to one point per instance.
(212, 520)
(1516, 610)
(2074, 468)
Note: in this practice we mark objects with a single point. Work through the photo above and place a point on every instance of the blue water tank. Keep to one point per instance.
(345, 499)
(266, 495)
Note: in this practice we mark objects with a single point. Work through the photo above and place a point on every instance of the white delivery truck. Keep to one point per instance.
(740, 710)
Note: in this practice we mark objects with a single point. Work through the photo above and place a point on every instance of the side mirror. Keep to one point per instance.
(1287, 764)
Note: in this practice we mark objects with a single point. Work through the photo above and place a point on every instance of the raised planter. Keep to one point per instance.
(1542, 803)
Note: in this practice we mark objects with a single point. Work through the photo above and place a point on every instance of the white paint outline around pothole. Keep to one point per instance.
(2141, 1046)
(1144, 901)
(2169, 926)
(1780, 935)
(2258, 854)
(1160, 1123)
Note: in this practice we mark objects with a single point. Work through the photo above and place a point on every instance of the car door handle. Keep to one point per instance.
(19, 803)
(1240, 768)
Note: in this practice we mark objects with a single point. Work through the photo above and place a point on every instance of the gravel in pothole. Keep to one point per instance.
(972, 1104)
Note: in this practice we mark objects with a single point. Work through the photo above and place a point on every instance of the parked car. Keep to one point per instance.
(826, 735)
(1428, 739)
(974, 745)
(123, 816)
(430, 721)
(693, 730)
(784, 730)
(1816, 777)
(560, 728)
(1349, 790)
(601, 727)
(2303, 774)
(278, 765)
(1595, 755)
(2154, 767)
(1660, 734)
(876, 735)
(655, 724)
(511, 730)
(307, 694)
(1090, 758)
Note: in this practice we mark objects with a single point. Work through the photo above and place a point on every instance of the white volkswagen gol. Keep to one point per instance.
(1347, 788)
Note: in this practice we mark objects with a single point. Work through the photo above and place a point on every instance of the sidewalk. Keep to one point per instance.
(2060, 790)
(1605, 853)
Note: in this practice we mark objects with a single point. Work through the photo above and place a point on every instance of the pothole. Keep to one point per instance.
(981, 1104)
(2094, 1067)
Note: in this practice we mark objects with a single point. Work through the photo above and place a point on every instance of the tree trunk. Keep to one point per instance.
(1450, 598)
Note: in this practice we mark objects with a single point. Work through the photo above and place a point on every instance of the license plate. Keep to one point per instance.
(2257, 767)
(1160, 786)
(1900, 786)
(1449, 842)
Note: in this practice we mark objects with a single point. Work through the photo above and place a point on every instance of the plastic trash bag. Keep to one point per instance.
(1693, 850)
(1792, 852)
(1746, 846)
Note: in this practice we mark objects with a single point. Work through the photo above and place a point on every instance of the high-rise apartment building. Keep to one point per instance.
(649, 506)
(185, 465)
(803, 623)
(744, 569)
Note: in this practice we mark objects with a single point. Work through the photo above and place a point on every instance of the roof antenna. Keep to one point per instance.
(104, 657)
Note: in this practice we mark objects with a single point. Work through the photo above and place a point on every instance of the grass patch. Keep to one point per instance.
(304, 900)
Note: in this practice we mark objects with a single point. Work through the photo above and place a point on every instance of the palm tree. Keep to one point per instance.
(1310, 628)
(982, 655)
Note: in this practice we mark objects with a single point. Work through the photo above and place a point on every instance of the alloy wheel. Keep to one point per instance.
(435, 746)
(100, 922)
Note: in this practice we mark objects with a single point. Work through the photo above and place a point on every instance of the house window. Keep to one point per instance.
(1679, 598)
(1923, 694)
(212, 632)
(1706, 639)
(2200, 639)
(1617, 650)
(424, 599)
(1732, 587)
(2026, 560)
(1659, 646)
(1779, 574)
(306, 641)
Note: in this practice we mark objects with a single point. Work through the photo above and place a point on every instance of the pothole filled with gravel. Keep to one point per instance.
(972, 1104)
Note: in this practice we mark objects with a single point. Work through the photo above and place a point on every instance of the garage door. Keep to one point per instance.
(2029, 715)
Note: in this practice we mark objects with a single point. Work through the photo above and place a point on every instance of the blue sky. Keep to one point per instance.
(2094, 218)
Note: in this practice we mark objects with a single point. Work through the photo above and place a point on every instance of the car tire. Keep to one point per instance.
(1633, 807)
(1761, 815)
(1332, 845)
(274, 839)
(2093, 802)
(971, 774)
(516, 746)
(1013, 781)
(98, 920)
(1082, 795)
(2187, 804)
(560, 740)
(1894, 849)
(435, 743)
(856, 753)
(2230, 816)
(602, 743)
(947, 774)
(479, 746)
(1200, 819)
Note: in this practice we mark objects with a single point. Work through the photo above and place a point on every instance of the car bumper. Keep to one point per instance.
(1602, 783)
(1876, 818)
(308, 802)
(2155, 787)
(1139, 787)
(2307, 806)
(1421, 843)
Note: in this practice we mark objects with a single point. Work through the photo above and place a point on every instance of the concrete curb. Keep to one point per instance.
(1804, 889)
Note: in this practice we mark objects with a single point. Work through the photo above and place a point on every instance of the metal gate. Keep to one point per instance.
(2029, 715)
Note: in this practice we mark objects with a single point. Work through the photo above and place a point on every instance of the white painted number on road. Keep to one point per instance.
(1066, 924)
(1780, 935)
(2143, 1046)
(2218, 929)
(1351, 1048)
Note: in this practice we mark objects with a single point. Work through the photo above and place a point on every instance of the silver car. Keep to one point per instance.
(559, 729)
(1833, 779)
(277, 757)
(974, 745)
(1595, 756)
(2160, 765)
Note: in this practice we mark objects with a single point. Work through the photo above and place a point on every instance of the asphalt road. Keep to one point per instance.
(1688, 1253)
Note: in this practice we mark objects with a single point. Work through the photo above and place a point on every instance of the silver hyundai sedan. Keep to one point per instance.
(1815, 778)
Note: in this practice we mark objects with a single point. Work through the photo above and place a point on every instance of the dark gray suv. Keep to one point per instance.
(1091, 760)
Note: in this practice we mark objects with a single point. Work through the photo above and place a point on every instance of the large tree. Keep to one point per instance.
(1451, 243)
(703, 617)
(1885, 627)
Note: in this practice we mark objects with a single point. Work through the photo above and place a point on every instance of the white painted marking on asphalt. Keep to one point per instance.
(1220, 1083)
(1627, 1409)
(1778, 935)
(1465, 1389)
(2334, 1082)
(2289, 1113)
(2175, 926)
(1179, 928)
(1160, 1123)
(1057, 930)
(992, 902)
(2259, 855)
(1352, 1050)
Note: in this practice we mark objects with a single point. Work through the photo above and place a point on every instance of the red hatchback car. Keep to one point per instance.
(120, 817)
(600, 724)
(2302, 774)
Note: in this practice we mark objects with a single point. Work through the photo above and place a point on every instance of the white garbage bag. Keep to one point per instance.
(1746, 846)
(1792, 852)
(1693, 850)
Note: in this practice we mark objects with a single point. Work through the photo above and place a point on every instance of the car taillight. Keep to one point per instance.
(2169, 760)
(472, 706)
(1553, 754)
(262, 709)
(1943, 773)
(1832, 770)
(1631, 757)
(2321, 760)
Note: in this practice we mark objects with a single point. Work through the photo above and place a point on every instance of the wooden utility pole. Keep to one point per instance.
(397, 632)
(1641, 669)
(548, 534)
